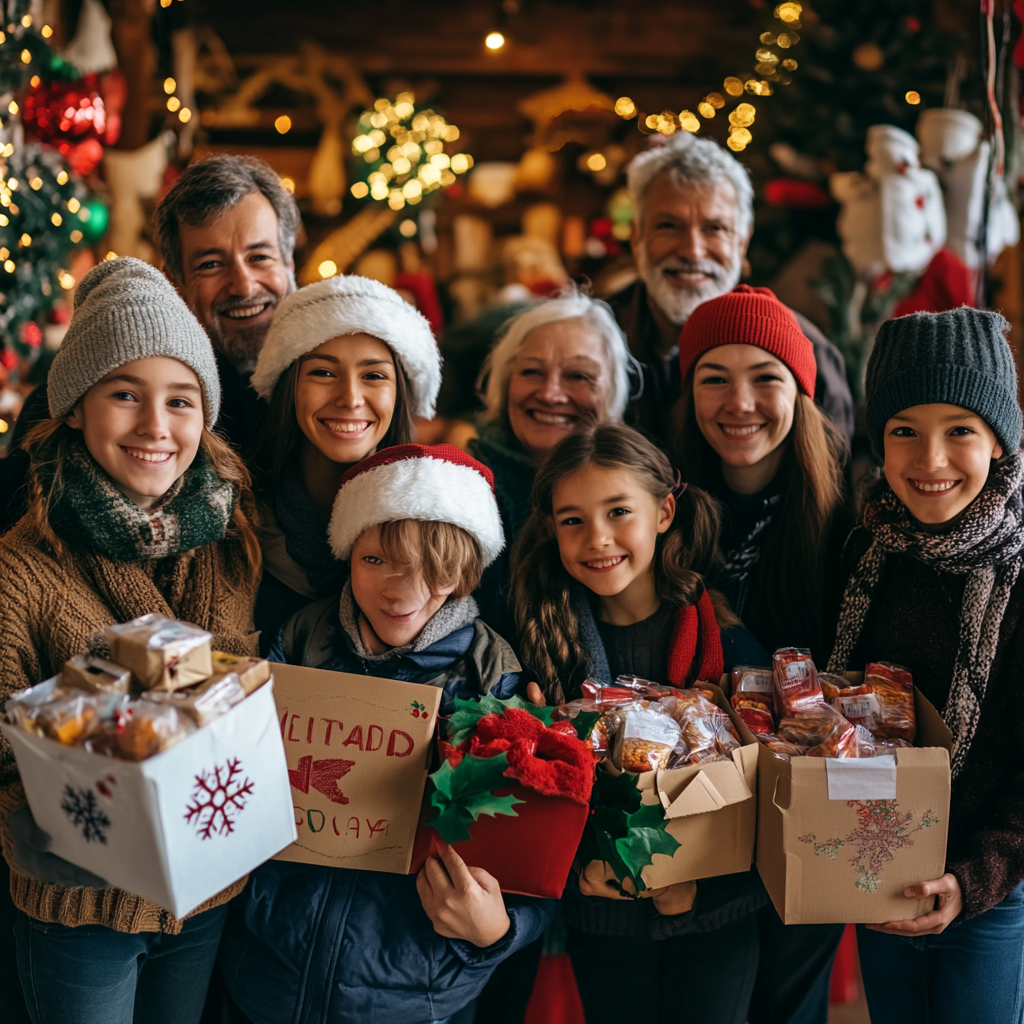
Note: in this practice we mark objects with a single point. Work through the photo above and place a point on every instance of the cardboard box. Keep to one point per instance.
(357, 749)
(530, 854)
(177, 828)
(839, 840)
(711, 810)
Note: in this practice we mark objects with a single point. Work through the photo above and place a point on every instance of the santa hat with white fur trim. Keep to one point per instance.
(352, 305)
(438, 483)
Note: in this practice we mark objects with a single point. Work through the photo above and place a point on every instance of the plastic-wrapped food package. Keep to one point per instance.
(252, 673)
(147, 728)
(95, 675)
(65, 715)
(749, 679)
(206, 702)
(894, 688)
(859, 705)
(705, 728)
(831, 685)
(162, 654)
(820, 727)
(780, 748)
(795, 682)
(645, 738)
(756, 714)
(600, 739)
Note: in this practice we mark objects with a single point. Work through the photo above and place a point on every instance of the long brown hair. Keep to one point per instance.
(226, 464)
(281, 436)
(549, 630)
(789, 574)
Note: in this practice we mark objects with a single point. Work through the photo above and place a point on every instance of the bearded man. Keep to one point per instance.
(693, 216)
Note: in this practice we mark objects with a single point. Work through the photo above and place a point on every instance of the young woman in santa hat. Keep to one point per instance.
(347, 366)
(748, 431)
(417, 525)
(606, 582)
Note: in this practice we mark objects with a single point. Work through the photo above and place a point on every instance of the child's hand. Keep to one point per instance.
(534, 696)
(598, 879)
(674, 899)
(462, 902)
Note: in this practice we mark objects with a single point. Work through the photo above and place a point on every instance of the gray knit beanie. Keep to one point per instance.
(126, 310)
(957, 358)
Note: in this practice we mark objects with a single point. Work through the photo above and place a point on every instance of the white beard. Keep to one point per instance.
(678, 302)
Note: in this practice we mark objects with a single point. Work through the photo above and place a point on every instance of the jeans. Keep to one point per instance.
(95, 975)
(972, 971)
(705, 977)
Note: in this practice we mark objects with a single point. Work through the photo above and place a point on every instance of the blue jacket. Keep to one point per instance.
(306, 944)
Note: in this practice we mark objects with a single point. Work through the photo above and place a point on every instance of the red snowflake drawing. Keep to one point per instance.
(218, 797)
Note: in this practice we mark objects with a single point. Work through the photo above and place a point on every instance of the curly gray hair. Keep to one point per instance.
(695, 161)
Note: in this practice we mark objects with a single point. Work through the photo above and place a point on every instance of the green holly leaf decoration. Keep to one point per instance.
(584, 724)
(463, 721)
(463, 793)
(647, 836)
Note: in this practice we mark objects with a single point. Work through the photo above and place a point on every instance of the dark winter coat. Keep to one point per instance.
(652, 411)
(914, 621)
(318, 945)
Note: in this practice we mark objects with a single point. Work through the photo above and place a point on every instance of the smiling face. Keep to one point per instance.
(606, 523)
(688, 247)
(560, 382)
(937, 459)
(394, 599)
(235, 276)
(143, 423)
(345, 397)
(743, 401)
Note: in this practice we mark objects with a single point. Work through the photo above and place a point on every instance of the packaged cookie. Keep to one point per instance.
(147, 728)
(831, 685)
(203, 703)
(252, 673)
(95, 675)
(69, 716)
(780, 748)
(859, 705)
(645, 738)
(705, 728)
(755, 714)
(162, 654)
(820, 726)
(894, 688)
(795, 682)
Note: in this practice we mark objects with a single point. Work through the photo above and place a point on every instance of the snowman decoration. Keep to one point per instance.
(893, 217)
(953, 147)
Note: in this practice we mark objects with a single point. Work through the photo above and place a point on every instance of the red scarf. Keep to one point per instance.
(696, 630)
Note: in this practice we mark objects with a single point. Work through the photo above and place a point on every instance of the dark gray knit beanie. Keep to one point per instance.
(961, 357)
(126, 310)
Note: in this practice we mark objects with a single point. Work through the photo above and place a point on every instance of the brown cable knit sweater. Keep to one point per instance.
(915, 621)
(53, 604)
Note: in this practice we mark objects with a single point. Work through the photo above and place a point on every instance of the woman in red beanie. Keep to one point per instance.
(746, 429)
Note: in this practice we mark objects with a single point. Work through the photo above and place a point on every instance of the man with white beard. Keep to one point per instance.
(693, 215)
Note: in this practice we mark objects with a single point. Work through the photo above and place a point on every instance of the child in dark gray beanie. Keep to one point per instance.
(934, 585)
(135, 507)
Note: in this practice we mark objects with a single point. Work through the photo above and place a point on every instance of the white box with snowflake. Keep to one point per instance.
(179, 827)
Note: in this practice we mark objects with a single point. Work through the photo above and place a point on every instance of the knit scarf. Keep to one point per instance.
(305, 531)
(734, 576)
(94, 517)
(514, 470)
(455, 613)
(696, 630)
(985, 546)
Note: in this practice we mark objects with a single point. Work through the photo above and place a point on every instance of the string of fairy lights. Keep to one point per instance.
(773, 67)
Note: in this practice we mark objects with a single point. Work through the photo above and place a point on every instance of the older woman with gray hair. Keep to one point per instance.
(559, 366)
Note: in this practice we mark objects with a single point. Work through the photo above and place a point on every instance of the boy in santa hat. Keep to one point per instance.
(418, 525)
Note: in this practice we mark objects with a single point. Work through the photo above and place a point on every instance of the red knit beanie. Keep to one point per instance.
(749, 316)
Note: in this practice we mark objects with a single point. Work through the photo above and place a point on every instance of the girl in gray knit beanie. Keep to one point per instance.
(934, 585)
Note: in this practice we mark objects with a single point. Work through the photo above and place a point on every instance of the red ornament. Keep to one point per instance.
(31, 335)
(913, 24)
(803, 195)
(9, 359)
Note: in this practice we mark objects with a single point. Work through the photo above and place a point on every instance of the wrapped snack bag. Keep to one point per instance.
(704, 727)
(252, 673)
(206, 702)
(756, 714)
(645, 738)
(147, 728)
(831, 685)
(95, 675)
(894, 688)
(747, 679)
(859, 705)
(67, 716)
(162, 654)
(820, 727)
(780, 748)
(795, 680)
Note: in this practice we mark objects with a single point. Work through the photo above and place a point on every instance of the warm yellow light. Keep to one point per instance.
(283, 124)
(13, 107)
(741, 135)
(184, 115)
(67, 282)
(379, 190)
(597, 162)
(288, 184)
(404, 109)
(4, 426)
(733, 86)
(430, 174)
(395, 199)
(735, 144)
(85, 214)
(110, 256)
(402, 166)
(9, 266)
(74, 205)
(788, 12)
(35, 81)
(3, 223)
(705, 109)
(165, 3)
(76, 236)
(460, 163)
(35, 184)
(494, 41)
(26, 21)
(170, 85)
(407, 228)
(625, 107)
(361, 143)
(327, 269)
(46, 31)
(441, 160)
(360, 190)
(56, 219)
(451, 133)
(913, 98)
(25, 240)
(412, 189)
(4, 252)
(62, 177)
(173, 104)
(688, 121)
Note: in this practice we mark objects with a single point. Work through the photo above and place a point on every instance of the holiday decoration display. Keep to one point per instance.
(404, 152)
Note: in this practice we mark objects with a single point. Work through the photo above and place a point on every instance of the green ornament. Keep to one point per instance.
(94, 218)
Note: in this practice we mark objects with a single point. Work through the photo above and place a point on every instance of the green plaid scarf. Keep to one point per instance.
(92, 515)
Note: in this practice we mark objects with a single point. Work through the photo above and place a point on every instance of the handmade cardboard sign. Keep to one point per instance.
(357, 749)
(176, 828)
